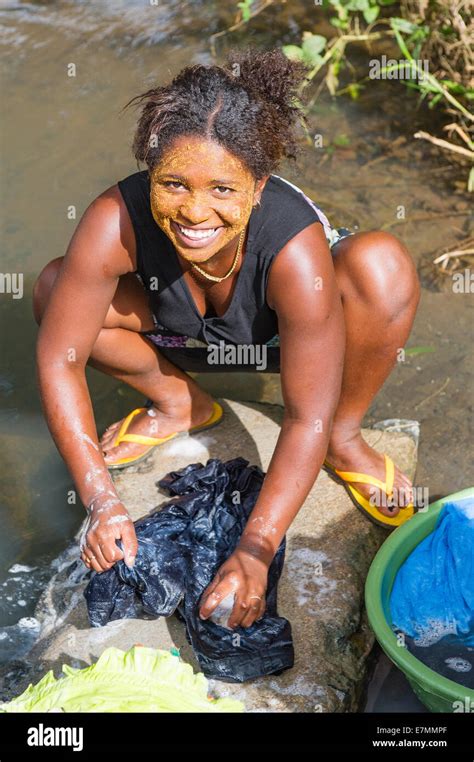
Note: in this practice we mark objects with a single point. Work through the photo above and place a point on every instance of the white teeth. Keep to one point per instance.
(197, 235)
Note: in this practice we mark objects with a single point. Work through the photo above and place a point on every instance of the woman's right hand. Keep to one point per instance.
(108, 520)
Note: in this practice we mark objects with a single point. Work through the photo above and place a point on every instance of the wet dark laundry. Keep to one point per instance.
(180, 549)
(449, 656)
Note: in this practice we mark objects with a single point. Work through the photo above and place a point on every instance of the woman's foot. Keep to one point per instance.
(155, 422)
(354, 454)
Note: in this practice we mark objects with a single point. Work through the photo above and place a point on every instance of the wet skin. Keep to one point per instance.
(338, 346)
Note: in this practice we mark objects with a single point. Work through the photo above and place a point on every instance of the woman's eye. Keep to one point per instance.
(223, 189)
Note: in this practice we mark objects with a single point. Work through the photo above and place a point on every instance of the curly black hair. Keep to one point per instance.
(249, 105)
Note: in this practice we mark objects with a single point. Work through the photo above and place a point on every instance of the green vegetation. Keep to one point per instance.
(425, 44)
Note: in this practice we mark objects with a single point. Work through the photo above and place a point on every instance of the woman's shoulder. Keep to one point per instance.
(288, 208)
(282, 189)
(109, 214)
(279, 187)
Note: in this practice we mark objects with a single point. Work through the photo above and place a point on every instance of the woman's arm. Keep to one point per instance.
(305, 295)
(302, 289)
(98, 254)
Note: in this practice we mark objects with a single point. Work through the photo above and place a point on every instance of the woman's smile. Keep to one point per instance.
(194, 237)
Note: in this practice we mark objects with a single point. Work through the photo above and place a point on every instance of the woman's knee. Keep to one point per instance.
(379, 267)
(43, 285)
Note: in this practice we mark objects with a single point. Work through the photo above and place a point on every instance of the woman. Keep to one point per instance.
(225, 252)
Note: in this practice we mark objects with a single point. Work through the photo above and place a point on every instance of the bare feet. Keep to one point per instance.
(154, 422)
(356, 455)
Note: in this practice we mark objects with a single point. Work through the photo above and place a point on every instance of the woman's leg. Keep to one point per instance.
(121, 352)
(380, 294)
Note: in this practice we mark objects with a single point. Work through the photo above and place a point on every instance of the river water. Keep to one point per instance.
(64, 141)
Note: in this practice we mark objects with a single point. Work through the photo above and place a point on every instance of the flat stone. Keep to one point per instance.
(330, 546)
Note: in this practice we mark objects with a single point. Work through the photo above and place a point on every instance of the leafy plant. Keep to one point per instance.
(370, 10)
(245, 9)
(412, 38)
(310, 50)
(342, 140)
(427, 82)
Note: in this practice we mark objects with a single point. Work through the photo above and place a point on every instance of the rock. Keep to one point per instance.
(330, 546)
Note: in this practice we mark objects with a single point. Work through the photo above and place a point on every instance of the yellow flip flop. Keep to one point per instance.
(361, 503)
(122, 436)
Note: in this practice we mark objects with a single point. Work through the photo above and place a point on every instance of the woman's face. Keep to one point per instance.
(201, 196)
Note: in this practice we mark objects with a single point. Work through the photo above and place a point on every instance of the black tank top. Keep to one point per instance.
(284, 211)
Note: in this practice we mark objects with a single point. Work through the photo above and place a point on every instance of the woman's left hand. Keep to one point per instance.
(247, 577)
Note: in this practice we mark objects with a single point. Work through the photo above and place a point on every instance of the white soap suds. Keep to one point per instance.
(87, 439)
(108, 504)
(466, 506)
(117, 520)
(433, 631)
(94, 472)
(264, 528)
(189, 447)
(29, 623)
(222, 612)
(311, 586)
(299, 687)
(458, 664)
(85, 530)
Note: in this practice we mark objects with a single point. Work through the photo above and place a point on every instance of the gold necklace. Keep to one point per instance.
(216, 278)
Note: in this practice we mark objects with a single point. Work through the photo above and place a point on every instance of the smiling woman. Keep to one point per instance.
(208, 247)
(201, 215)
(233, 119)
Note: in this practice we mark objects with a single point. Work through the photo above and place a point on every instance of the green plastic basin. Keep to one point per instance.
(436, 692)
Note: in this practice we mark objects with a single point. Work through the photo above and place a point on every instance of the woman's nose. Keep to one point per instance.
(196, 209)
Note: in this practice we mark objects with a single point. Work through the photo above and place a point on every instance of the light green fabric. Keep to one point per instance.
(139, 680)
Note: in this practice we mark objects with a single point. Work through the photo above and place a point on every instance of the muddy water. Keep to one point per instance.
(64, 141)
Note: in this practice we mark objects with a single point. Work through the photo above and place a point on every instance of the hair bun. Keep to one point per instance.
(269, 76)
